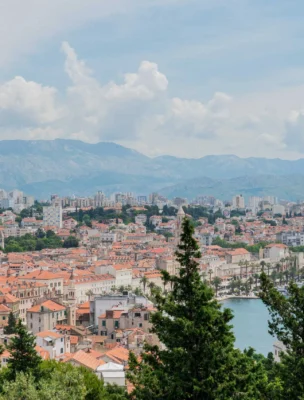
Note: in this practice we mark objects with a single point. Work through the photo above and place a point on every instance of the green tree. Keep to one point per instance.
(199, 360)
(144, 282)
(216, 282)
(24, 357)
(11, 326)
(64, 386)
(71, 241)
(23, 388)
(287, 324)
(40, 234)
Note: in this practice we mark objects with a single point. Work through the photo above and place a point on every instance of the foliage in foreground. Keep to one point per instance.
(198, 360)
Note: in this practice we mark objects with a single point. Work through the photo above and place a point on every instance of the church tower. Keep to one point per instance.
(179, 221)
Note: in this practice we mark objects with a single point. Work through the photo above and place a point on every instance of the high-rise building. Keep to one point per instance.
(238, 201)
(52, 215)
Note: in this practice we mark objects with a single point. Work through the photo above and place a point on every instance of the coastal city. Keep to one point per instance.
(151, 200)
(80, 272)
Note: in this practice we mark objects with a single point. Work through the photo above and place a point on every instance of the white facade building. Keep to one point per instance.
(54, 343)
(52, 216)
(238, 201)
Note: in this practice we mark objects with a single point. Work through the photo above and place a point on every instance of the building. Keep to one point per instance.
(291, 238)
(99, 305)
(54, 343)
(52, 215)
(276, 251)
(278, 209)
(45, 316)
(238, 201)
(237, 255)
(112, 373)
(278, 348)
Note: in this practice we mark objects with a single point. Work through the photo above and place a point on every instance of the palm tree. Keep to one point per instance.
(262, 264)
(89, 293)
(268, 265)
(246, 263)
(280, 276)
(256, 277)
(241, 263)
(216, 282)
(144, 281)
(278, 267)
(286, 274)
(238, 285)
(274, 276)
(210, 272)
(250, 282)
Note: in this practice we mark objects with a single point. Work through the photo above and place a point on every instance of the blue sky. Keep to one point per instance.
(216, 76)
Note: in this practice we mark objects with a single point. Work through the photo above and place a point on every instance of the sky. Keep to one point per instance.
(187, 78)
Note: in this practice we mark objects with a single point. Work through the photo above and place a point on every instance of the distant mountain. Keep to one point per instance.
(73, 167)
(289, 187)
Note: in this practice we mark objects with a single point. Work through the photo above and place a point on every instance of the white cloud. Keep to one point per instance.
(29, 100)
(139, 112)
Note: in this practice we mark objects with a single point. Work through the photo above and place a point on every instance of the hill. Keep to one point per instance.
(73, 167)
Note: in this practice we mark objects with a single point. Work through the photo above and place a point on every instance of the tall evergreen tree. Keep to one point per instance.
(24, 357)
(197, 359)
(287, 324)
(11, 326)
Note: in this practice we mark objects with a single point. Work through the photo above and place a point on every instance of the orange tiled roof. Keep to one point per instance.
(52, 334)
(85, 359)
(49, 304)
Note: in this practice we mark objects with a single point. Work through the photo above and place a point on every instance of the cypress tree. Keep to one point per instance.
(11, 326)
(196, 359)
(24, 357)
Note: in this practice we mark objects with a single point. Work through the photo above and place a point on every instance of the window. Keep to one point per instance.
(118, 340)
(104, 323)
(140, 325)
(137, 314)
(61, 350)
(3, 318)
(116, 324)
(62, 339)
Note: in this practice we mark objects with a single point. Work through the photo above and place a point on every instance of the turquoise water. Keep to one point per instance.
(250, 324)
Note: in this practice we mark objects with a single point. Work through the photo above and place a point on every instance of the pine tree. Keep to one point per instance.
(24, 357)
(287, 324)
(11, 326)
(198, 359)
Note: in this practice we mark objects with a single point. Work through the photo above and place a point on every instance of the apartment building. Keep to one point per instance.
(52, 215)
(45, 316)
(54, 343)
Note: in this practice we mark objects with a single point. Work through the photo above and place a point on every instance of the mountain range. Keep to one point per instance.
(69, 167)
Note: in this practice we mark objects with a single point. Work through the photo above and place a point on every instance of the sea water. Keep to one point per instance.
(250, 324)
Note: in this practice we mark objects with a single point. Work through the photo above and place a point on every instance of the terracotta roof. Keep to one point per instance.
(40, 275)
(51, 334)
(238, 252)
(278, 245)
(49, 304)
(44, 354)
(85, 359)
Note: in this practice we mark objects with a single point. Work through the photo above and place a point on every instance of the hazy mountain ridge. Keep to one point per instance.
(71, 166)
(289, 187)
